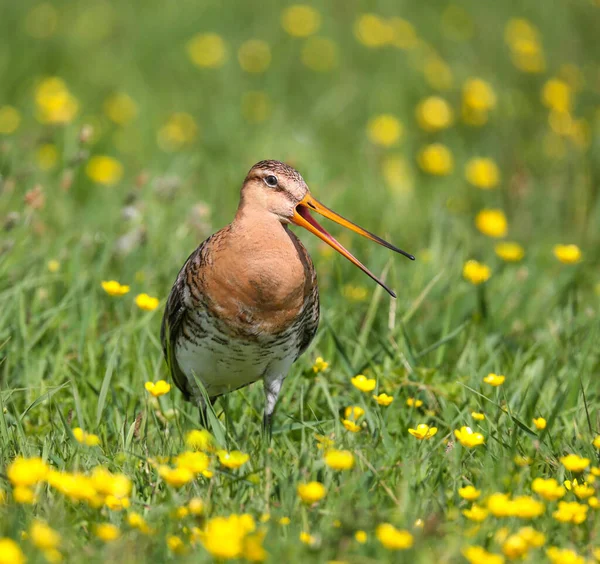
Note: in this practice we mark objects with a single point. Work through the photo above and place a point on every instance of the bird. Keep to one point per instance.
(245, 304)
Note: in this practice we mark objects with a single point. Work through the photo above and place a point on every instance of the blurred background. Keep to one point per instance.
(126, 129)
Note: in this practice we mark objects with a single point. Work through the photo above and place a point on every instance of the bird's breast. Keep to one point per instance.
(260, 287)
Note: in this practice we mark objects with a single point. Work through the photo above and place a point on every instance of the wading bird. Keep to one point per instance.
(245, 305)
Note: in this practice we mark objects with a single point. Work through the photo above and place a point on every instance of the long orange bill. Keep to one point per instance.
(303, 218)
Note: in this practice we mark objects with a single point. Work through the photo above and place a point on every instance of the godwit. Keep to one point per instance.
(245, 305)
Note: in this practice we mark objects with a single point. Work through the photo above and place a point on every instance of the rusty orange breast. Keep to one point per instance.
(257, 279)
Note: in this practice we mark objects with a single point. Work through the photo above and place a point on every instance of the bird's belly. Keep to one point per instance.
(223, 363)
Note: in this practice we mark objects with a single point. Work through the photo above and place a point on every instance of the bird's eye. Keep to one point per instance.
(271, 181)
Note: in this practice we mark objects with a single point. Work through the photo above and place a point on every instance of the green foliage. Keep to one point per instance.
(179, 147)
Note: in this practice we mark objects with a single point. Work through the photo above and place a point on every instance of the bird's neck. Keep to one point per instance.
(254, 223)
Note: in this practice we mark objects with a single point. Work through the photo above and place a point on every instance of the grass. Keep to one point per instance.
(73, 356)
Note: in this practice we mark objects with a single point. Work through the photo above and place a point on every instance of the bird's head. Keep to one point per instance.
(279, 189)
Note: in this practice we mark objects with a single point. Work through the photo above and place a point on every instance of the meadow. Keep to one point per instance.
(458, 423)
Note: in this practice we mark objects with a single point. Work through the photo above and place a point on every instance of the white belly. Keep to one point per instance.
(224, 364)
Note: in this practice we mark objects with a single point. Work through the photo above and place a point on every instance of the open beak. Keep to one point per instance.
(303, 218)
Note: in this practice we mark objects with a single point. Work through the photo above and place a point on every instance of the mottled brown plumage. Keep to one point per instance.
(245, 304)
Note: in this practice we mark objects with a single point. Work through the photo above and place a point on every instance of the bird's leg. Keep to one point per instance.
(272, 387)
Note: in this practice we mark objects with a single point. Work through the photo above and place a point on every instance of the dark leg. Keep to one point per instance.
(268, 426)
(272, 387)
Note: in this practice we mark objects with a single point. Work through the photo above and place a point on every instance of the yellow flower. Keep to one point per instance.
(398, 174)
(494, 379)
(437, 73)
(254, 56)
(176, 477)
(423, 432)
(564, 556)
(196, 506)
(55, 104)
(10, 118)
(136, 521)
(200, 439)
(46, 156)
(223, 537)
(533, 538)
(372, 31)
(434, 114)
(351, 426)
(482, 173)
(594, 502)
(207, 50)
(146, 302)
(470, 493)
(300, 20)
(353, 412)
(104, 170)
(107, 483)
(320, 365)
(53, 266)
(492, 222)
(392, 538)
(476, 272)
(307, 538)
(339, 459)
(571, 512)
(176, 544)
(27, 471)
(549, 489)
(575, 463)
(583, 491)
(311, 492)
(43, 536)
(194, 461)
(476, 513)
(179, 130)
(412, 402)
(479, 95)
(157, 389)
(319, 54)
(354, 293)
(522, 461)
(515, 547)
(526, 51)
(468, 438)
(107, 532)
(361, 537)
(540, 423)
(404, 34)
(556, 95)
(596, 442)
(478, 555)
(384, 130)
(509, 252)
(120, 108)
(113, 288)
(436, 159)
(363, 383)
(87, 439)
(383, 399)
(567, 254)
(477, 416)
(233, 459)
(24, 495)
(253, 549)
(256, 106)
(10, 552)
(526, 507)
(285, 521)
